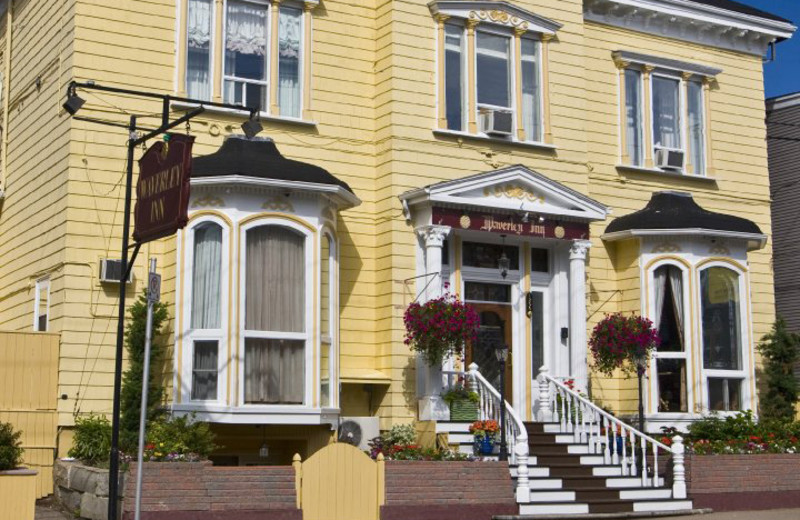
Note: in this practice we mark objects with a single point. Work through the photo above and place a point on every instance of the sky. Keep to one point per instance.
(782, 76)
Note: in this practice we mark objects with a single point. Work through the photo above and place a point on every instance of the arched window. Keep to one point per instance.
(275, 315)
(720, 304)
(669, 317)
(206, 310)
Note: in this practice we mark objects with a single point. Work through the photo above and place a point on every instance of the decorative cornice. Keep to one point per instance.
(647, 60)
(499, 17)
(208, 201)
(513, 191)
(690, 21)
(494, 12)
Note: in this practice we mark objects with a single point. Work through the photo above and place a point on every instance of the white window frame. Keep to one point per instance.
(746, 395)
(267, 58)
(332, 339)
(512, 79)
(191, 335)
(686, 354)
(42, 284)
(309, 312)
(681, 114)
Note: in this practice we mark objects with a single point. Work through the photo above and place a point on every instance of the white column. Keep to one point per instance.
(431, 405)
(578, 347)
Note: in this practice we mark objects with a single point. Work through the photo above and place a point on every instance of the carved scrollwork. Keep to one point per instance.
(513, 191)
(499, 16)
(209, 201)
(666, 247)
(720, 250)
(278, 203)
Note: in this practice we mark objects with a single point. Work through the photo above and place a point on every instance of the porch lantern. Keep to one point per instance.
(501, 352)
(263, 451)
(503, 263)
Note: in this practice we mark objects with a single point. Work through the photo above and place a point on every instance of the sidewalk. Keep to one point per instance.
(770, 514)
(45, 513)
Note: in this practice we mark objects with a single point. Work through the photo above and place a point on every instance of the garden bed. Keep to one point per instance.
(744, 482)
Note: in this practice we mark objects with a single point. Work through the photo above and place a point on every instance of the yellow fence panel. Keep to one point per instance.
(340, 482)
(28, 398)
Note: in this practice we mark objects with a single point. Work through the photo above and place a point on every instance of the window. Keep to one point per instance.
(486, 256)
(670, 359)
(327, 319)
(252, 47)
(496, 82)
(206, 310)
(275, 329)
(677, 136)
(41, 305)
(722, 335)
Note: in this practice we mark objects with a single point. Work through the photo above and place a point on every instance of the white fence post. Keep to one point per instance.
(678, 468)
(545, 414)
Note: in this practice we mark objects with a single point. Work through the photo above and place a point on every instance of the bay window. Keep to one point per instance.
(670, 358)
(275, 329)
(721, 314)
(261, 48)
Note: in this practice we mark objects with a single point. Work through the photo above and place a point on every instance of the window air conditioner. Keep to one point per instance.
(667, 159)
(111, 271)
(496, 122)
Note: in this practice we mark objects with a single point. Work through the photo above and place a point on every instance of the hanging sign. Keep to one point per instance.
(162, 192)
(510, 224)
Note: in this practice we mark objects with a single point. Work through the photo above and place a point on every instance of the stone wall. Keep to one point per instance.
(447, 490)
(744, 482)
(81, 489)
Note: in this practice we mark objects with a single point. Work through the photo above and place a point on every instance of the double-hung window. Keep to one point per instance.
(262, 59)
(670, 358)
(663, 116)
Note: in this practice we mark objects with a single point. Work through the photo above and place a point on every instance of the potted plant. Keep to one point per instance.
(439, 328)
(463, 403)
(17, 485)
(624, 342)
(485, 433)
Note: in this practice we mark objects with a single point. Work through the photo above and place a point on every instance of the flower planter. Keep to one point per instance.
(484, 445)
(17, 494)
(463, 410)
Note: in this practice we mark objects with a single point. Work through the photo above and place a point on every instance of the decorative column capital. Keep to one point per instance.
(434, 235)
(441, 18)
(471, 24)
(519, 31)
(686, 76)
(547, 38)
(622, 64)
(579, 249)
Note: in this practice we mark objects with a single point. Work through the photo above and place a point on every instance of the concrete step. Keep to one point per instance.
(536, 483)
(547, 495)
(553, 508)
(533, 471)
(661, 505)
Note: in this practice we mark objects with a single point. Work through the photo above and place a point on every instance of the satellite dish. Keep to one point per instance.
(350, 432)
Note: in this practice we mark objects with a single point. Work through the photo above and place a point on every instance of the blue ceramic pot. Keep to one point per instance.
(484, 446)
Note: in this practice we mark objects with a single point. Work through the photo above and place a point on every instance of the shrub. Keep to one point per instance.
(400, 434)
(781, 350)
(179, 439)
(439, 328)
(10, 447)
(92, 441)
(131, 396)
(741, 433)
(618, 341)
(460, 393)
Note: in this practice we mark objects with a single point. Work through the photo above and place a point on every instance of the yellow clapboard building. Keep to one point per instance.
(548, 161)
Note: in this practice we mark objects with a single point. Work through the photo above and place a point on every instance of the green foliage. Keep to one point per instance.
(781, 350)
(403, 434)
(131, 397)
(92, 441)
(460, 393)
(179, 439)
(741, 433)
(10, 447)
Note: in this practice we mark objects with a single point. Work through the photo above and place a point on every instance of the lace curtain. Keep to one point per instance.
(198, 39)
(289, 36)
(206, 275)
(246, 28)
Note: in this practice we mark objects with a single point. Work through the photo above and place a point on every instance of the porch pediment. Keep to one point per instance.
(516, 189)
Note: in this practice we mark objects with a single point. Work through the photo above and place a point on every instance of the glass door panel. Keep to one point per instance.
(536, 315)
(492, 302)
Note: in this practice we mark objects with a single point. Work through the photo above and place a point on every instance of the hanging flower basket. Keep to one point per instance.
(623, 342)
(440, 328)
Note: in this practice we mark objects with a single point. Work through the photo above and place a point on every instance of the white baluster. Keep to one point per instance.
(615, 454)
(678, 468)
(655, 465)
(644, 463)
(523, 489)
(623, 435)
(606, 444)
(561, 408)
(545, 411)
(633, 456)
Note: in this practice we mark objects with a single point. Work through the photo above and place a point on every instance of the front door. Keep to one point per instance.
(492, 302)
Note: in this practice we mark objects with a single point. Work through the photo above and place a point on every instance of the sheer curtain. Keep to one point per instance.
(676, 281)
(530, 90)
(246, 36)
(633, 115)
(666, 112)
(289, 37)
(246, 28)
(206, 276)
(659, 289)
(274, 302)
(198, 40)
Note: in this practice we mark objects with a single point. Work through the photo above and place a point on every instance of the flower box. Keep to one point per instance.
(463, 410)
(17, 494)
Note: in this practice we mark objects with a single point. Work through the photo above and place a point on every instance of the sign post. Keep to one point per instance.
(153, 295)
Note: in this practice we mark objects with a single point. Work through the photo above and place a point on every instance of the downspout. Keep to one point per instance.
(6, 98)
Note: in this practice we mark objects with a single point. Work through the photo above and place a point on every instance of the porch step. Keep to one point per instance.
(553, 508)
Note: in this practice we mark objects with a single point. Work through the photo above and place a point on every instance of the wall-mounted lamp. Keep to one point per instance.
(263, 451)
(503, 263)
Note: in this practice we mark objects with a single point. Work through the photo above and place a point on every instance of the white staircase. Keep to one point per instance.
(578, 459)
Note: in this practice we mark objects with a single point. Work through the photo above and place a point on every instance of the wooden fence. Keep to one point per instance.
(340, 482)
(28, 398)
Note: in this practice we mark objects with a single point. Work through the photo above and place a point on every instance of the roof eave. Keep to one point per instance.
(343, 198)
(754, 240)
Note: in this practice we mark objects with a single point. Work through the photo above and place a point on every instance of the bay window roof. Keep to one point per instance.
(676, 213)
(257, 161)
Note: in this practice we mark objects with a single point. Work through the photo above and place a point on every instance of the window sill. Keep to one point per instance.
(626, 168)
(260, 414)
(480, 137)
(263, 116)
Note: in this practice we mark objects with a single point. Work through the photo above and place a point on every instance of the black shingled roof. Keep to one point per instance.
(737, 7)
(678, 210)
(260, 158)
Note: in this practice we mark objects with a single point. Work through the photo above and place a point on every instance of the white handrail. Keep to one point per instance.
(489, 409)
(606, 434)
